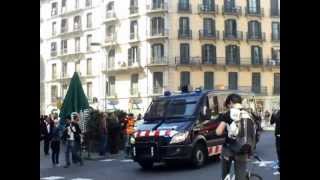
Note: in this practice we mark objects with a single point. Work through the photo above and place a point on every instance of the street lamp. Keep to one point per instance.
(105, 94)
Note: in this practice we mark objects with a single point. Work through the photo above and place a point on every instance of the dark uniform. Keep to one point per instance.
(275, 118)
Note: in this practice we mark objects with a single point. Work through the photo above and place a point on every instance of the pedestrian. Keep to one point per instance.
(275, 119)
(47, 129)
(266, 117)
(130, 121)
(139, 117)
(228, 155)
(103, 134)
(73, 140)
(55, 143)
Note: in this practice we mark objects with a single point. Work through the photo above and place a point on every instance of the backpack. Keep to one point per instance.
(245, 137)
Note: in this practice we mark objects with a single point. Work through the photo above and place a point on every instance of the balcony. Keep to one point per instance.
(206, 9)
(276, 90)
(111, 63)
(275, 37)
(184, 34)
(254, 12)
(76, 31)
(257, 90)
(111, 39)
(274, 13)
(53, 53)
(133, 10)
(68, 56)
(158, 61)
(134, 37)
(110, 16)
(273, 62)
(134, 91)
(232, 11)
(237, 36)
(158, 34)
(256, 37)
(187, 61)
(134, 63)
(65, 12)
(157, 90)
(157, 8)
(205, 35)
(184, 8)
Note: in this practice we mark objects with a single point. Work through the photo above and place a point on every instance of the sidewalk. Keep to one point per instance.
(267, 127)
(45, 161)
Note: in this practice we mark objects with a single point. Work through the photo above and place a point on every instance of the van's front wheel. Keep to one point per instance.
(199, 155)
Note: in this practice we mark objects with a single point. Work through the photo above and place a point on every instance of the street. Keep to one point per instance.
(122, 169)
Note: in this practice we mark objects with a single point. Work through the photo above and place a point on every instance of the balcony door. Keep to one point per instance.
(208, 80)
(231, 28)
(256, 55)
(184, 26)
(184, 53)
(133, 55)
(233, 80)
(254, 28)
(256, 83)
(157, 4)
(233, 54)
(208, 54)
(253, 6)
(208, 27)
(229, 4)
(157, 82)
(208, 5)
(134, 29)
(157, 52)
(184, 78)
(157, 26)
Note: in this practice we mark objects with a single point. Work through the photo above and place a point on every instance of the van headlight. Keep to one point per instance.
(179, 137)
(132, 140)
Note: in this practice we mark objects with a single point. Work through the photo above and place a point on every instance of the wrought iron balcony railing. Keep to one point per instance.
(256, 36)
(184, 34)
(258, 12)
(234, 11)
(234, 36)
(184, 8)
(207, 9)
(208, 35)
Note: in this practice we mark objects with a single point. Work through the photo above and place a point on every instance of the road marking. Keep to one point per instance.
(276, 173)
(52, 178)
(263, 163)
(107, 160)
(81, 179)
(127, 160)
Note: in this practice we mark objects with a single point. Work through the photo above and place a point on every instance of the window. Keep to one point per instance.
(253, 6)
(77, 67)
(157, 26)
(275, 8)
(77, 5)
(184, 78)
(64, 90)
(208, 27)
(208, 5)
(157, 4)
(134, 29)
(133, 6)
(208, 54)
(254, 28)
(64, 6)
(276, 31)
(256, 83)
(233, 80)
(134, 84)
(64, 25)
(89, 66)
(111, 91)
(230, 28)
(133, 55)
(54, 28)
(89, 91)
(232, 54)
(77, 23)
(54, 71)
(157, 82)
(64, 69)
(183, 5)
(54, 93)
(53, 49)
(110, 31)
(229, 5)
(275, 53)
(184, 26)
(276, 84)
(157, 53)
(89, 40)
(77, 44)
(89, 20)
(88, 3)
(110, 6)
(111, 55)
(256, 55)
(208, 80)
(184, 53)
(64, 46)
(54, 9)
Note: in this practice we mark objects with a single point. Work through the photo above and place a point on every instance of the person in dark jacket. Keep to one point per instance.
(103, 127)
(47, 129)
(55, 143)
(275, 119)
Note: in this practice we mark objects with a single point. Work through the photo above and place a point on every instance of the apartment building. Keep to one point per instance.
(150, 46)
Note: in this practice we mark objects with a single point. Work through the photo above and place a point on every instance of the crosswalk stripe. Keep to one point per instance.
(127, 160)
(107, 160)
(52, 178)
(81, 179)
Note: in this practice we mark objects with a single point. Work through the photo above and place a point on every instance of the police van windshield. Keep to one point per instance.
(175, 108)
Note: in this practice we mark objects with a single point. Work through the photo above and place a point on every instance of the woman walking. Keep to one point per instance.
(55, 143)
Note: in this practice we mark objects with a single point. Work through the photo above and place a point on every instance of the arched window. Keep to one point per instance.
(157, 26)
(208, 54)
(208, 27)
(254, 29)
(110, 6)
(232, 54)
